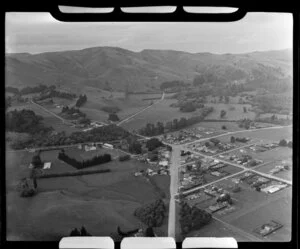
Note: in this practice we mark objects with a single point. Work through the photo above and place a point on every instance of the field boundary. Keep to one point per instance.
(75, 173)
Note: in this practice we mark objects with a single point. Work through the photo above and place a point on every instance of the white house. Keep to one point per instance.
(47, 165)
(108, 146)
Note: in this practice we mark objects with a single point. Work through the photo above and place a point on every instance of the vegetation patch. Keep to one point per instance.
(152, 214)
(192, 218)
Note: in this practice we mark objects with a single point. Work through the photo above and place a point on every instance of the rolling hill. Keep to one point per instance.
(117, 68)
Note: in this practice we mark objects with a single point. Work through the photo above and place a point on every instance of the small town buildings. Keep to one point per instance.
(89, 147)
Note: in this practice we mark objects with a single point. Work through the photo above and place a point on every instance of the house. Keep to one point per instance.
(137, 174)
(47, 165)
(89, 148)
(163, 163)
(108, 146)
(215, 173)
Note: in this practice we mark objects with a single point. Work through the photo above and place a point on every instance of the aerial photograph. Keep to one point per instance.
(149, 129)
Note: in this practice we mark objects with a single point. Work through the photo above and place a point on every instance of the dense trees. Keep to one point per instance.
(172, 84)
(152, 214)
(96, 160)
(34, 89)
(192, 218)
(245, 123)
(188, 107)
(283, 142)
(153, 143)
(25, 121)
(113, 117)
(51, 93)
(135, 147)
(81, 100)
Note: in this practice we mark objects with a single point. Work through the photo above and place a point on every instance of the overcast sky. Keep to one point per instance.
(40, 32)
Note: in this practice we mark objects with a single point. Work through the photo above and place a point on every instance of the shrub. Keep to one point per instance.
(283, 142)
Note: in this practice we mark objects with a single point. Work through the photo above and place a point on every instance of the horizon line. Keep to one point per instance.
(207, 52)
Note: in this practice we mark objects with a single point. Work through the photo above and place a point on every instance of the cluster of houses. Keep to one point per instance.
(157, 167)
(187, 135)
(263, 147)
(93, 146)
(242, 159)
(192, 174)
(261, 183)
(93, 125)
(279, 168)
(212, 149)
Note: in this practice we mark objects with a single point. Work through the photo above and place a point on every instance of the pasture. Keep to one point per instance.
(100, 202)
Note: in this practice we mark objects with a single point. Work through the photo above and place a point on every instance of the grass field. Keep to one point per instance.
(270, 134)
(100, 202)
(161, 112)
(236, 114)
(278, 209)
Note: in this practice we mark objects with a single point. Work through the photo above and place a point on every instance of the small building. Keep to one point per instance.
(108, 146)
(163, 163)
(89, 148)
(47, 165)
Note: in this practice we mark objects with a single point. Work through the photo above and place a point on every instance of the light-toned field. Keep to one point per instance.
(160, 112)
(236, 114)
(270, 134)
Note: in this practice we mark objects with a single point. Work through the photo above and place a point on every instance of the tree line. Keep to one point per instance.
(152, 130)
(96, 160)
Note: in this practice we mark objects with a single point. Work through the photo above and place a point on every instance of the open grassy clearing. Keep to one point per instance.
(217, 229)
(278, 210)
(274, 134)
(161, 112)
(231, 114)
(230, 126)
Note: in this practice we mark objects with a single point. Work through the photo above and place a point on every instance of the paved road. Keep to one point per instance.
(139, 112)
(175, 164)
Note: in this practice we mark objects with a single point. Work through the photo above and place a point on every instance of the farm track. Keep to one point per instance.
(139, 112)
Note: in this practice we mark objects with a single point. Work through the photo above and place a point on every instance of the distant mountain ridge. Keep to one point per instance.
(116, 68)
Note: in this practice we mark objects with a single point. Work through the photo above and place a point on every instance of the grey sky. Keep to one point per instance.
(40, 32)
